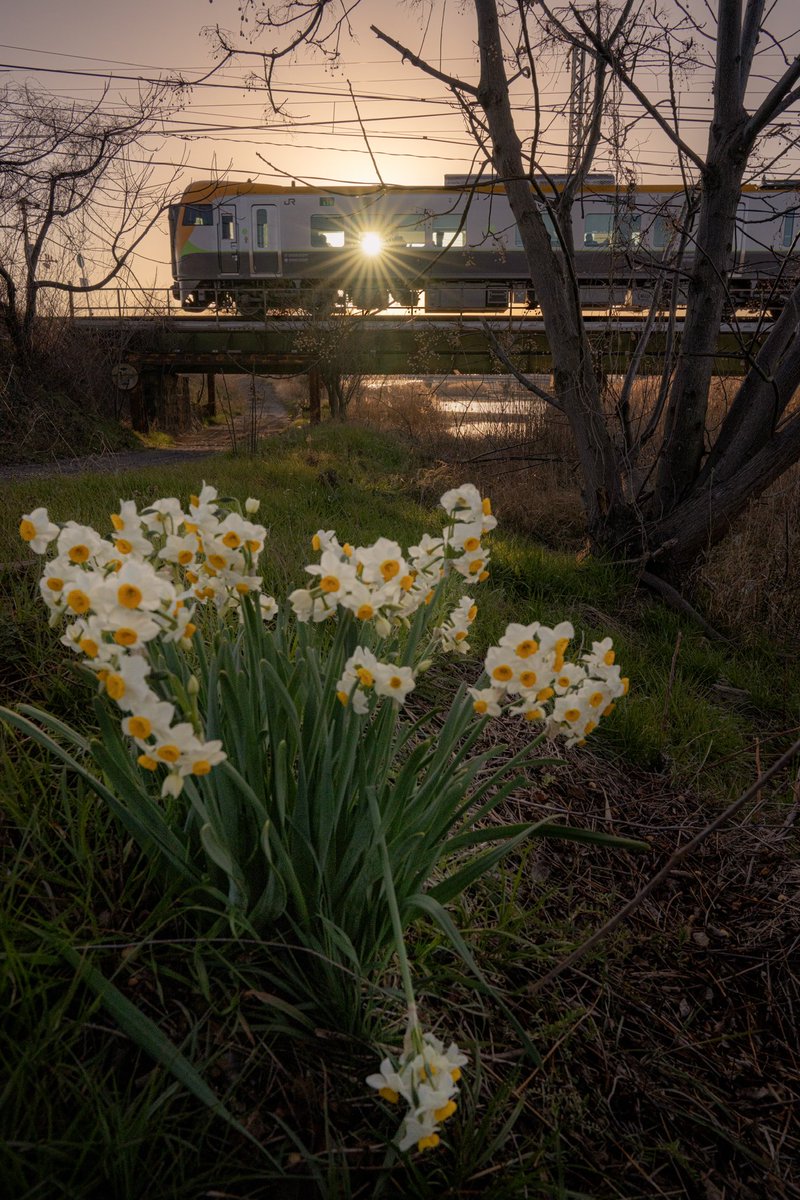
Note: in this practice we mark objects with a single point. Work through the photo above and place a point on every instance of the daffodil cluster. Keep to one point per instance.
(120, 594)
(530, 676)
(382, 585)
(427, 1080)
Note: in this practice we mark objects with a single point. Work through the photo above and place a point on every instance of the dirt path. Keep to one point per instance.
(268, 416)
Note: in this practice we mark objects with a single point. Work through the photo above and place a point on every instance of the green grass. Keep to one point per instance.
(84, 1113)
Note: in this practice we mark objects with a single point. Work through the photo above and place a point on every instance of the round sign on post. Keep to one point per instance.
(125, 376)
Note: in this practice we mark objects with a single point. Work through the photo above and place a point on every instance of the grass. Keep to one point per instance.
(648, 1060)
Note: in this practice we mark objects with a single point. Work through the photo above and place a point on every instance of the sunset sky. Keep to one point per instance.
(74, 48)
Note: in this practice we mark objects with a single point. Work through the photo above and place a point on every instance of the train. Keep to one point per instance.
(252, 248)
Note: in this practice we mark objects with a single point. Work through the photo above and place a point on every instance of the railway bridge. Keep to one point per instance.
(151, 353)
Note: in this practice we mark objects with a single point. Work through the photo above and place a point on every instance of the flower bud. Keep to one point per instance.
(251, 505)
(193, 685)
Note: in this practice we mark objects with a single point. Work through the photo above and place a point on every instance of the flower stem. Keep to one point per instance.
(394, 913)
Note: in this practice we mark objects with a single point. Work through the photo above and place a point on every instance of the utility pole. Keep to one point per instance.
(580, 83)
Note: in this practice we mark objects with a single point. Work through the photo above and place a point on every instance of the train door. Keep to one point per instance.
(228, 241)
(265, 257)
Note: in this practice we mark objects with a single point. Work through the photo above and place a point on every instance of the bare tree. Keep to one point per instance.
(662, 494)
(77, 196)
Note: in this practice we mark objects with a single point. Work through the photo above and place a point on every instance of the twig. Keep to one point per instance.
(655, 583)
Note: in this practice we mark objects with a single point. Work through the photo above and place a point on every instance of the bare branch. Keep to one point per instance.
(450, 81)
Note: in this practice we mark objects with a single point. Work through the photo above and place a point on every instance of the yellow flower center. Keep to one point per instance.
(242, 588)
(78, 601)
(79, 553)
(54, 583)
(366, 677)
(460, 635)
(217, 561)
(129, 595)
(480, 706)
(395, 682)
(472, 544)
(389, 568)
(126, 637)
(473, 612)
(527, 678)
(89, 647)
(315, 542)
(526, 648)
(389, 1094)
(561, 645)
(27, 530)
(168, 753)
(447, 1110)
(201, 767)
(347, 550)
(343, 698)
(117, 521)
(407, 582)
(123, 545)
(545, 694)
(596, 699)
(115, 686)
(608, 658)
(502, 673)
(572, 714)
(534, 714)
(140, 727)
(364, 612)
(486, 505)
(484, 575)
(185, 557)
(148, 763)
(428, 1143)
(476, 567)
(590, 725)
(253, 546)
(329, 583)
(232, 540)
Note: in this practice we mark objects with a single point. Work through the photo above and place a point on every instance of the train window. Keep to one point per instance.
(598, 229)
(262, 229)
(326, 231)
(661, 233)
(601, 230)
(228, 227)
(446, 232)
(410, 229)
(791, 229)
(198, 214)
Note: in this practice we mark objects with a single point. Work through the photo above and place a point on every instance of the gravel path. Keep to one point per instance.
(197, 444)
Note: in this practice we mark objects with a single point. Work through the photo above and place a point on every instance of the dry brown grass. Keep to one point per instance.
(519, 450)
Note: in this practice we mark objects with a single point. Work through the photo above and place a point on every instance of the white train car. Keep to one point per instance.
(256, 247)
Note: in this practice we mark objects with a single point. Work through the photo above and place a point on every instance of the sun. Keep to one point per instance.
(371, 244)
